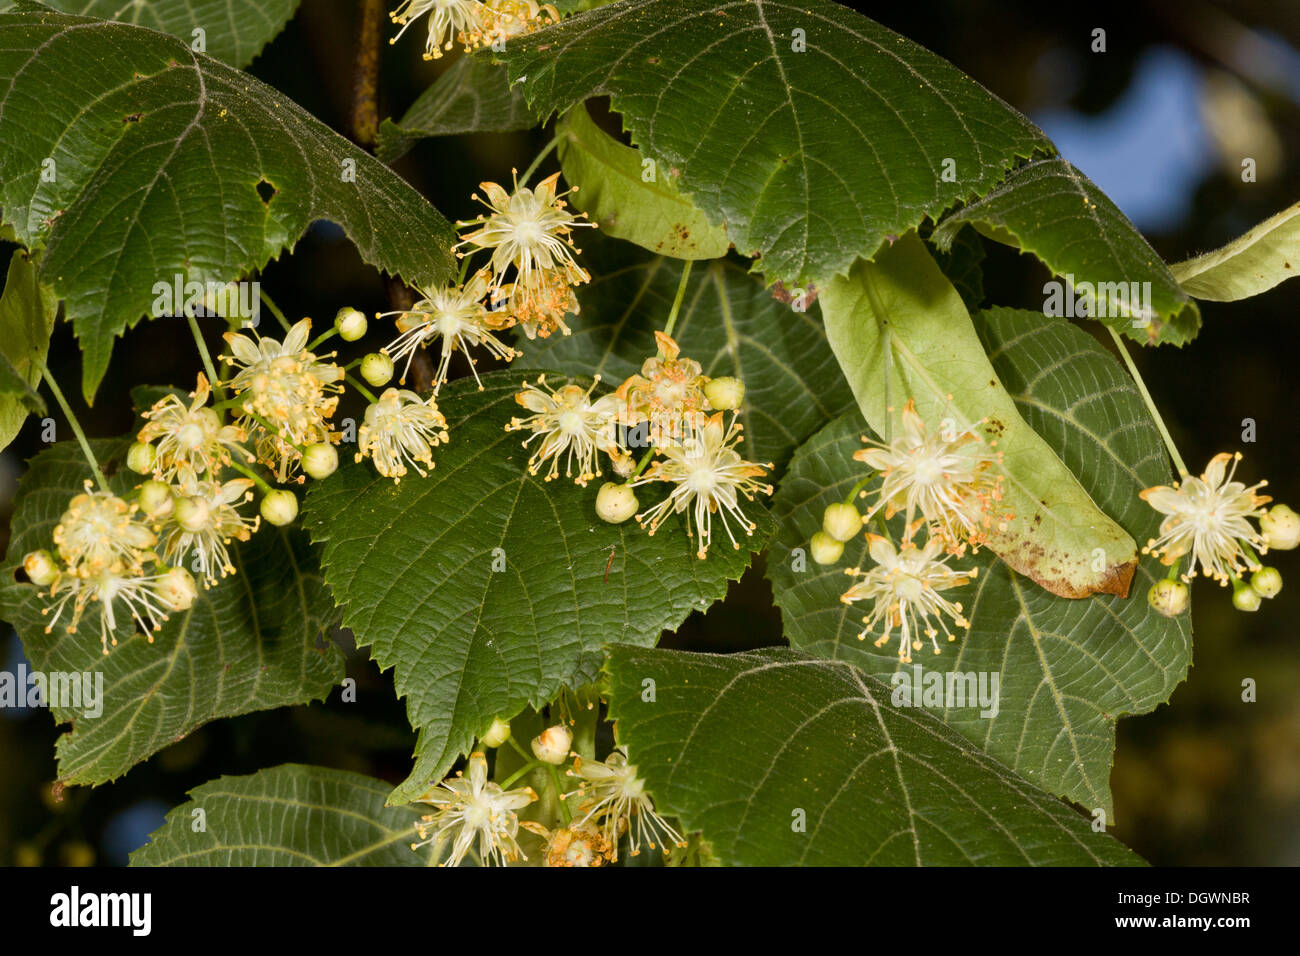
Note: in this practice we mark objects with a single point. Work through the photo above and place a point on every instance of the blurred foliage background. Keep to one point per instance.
(1185, 90)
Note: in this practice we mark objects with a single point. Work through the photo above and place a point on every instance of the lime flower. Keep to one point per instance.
(100, 532)
(668, 392)
(191, 441)
(614, 797)
(571, 426)
(399, 429)
(708, 475)
(146, 599)
(204, 521)
(469, 810)
(576, 845)
(530, 230)
(945, 477)
(905, 587)
(1209, 518)
(503, 19)
(455, 315)
(287, 394)
(540, 304)
(448, 20)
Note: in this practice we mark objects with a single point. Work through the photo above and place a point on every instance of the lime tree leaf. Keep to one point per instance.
(487, 589)
(1067, 669)
(233, 30)
(808, 131)
(473, 95)
(613, 191)
(27, 311)
(900, 331)
(252, 642)
(728, 323)
(1250, 264)
(1049, 208)
(165, 162)
(291, 815)
(743, 746)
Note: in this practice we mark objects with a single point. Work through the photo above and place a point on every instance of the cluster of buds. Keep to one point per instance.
(691, 448)
(472, 23)
(1208, 519)
(947, 483)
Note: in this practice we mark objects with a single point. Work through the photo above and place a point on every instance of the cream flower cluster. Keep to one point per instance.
(692, 449)
(472, 23)
(476, 818)
(105, 555)
(1208, 520)
(945, 480)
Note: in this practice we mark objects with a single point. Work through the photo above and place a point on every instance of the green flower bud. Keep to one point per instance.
(192, 514)
(279, 507)
(552, 744)
(320, 460)
(40, 568)
(725, 394)
(377, 369)
(1245, 598)
(1169, 598)
(1266, 582)
(140, 458)
(615, 503)
(825, 549)
(1281, 528)
(842, 522)
(154, 498)
(178, 589)
(497, 734)
(350, 323)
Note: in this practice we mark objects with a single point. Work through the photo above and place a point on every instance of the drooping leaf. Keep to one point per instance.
(473, 95)
(232, 30)
(1253, 263)
(27, 313)
(1067, 668)
(900, 331)
(488, 589)
(613, 191)
(291, 815)
(728, 323)
(806, 130)
(249, 643)
(1049, 208)
(178, 165)
(746, 747)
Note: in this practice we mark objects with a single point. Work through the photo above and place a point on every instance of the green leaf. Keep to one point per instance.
(1068, 668)
(728, 323)
(808, 159)
(1253, 263)
(233, 30)
(291, 815)
(413, 565)
(745, 746)
(158, 157)
(1049, 208)
(249, 643)
(27, 313)
(473, 95)
(611, 190)
(900, 331)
